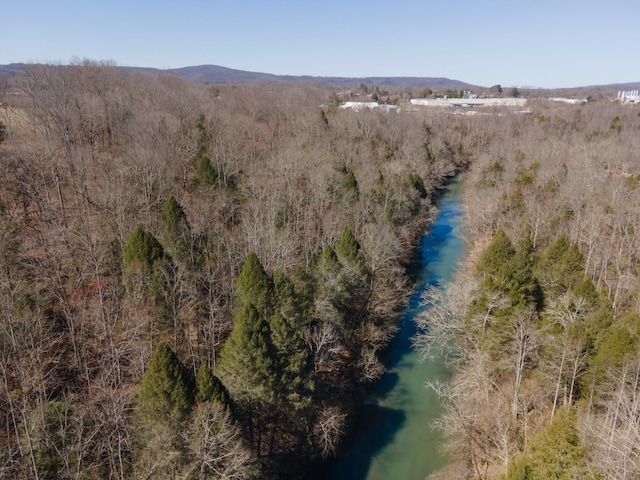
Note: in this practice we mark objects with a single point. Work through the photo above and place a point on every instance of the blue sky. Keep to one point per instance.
(545, 43)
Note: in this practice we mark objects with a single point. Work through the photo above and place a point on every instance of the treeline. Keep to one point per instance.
(542, 329)
(197, 281)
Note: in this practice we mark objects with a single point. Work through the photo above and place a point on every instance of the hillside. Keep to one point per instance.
(198, 278)
(215, 74)
(189, 282)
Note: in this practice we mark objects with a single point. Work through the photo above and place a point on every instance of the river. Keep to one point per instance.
(394, 439)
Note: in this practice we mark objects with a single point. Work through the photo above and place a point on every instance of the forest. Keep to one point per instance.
(541, 324)
(200, 281)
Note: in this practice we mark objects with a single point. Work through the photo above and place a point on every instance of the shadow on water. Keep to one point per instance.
(377, 427)
(393, 437)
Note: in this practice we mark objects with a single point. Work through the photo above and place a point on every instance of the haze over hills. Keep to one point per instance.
(216, 74)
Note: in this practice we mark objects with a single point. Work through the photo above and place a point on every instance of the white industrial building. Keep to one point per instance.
(358, 106)
(572, 101)
(629, 96)
(470, 102)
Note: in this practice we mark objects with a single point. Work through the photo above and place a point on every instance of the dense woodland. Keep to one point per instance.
(198, 281)
(542, 324)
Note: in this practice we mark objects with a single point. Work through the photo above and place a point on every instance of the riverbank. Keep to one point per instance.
(393, 436)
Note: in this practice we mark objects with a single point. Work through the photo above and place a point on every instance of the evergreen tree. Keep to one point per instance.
(350, 185)
(522, 285)
(142, 255)
(562, 266)
(510, 270)
(175, 228)
(209, 387)
(201, 138)
(55, 429)
(554, 453)
(253, 286)
(328, 261)
(166, 392)
(206, 174)
(617, 345)
(291, 317)
(162, 408)
(347, 248)
(247, 365)
(142, 248)
(353, 282)
(415, 180)
(495, 258)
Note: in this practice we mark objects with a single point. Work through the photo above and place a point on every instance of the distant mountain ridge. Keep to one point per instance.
(215, 74)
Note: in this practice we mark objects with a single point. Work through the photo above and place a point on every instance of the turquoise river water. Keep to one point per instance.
(394, 439)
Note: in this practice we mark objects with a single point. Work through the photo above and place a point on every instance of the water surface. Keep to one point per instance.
(395, 439)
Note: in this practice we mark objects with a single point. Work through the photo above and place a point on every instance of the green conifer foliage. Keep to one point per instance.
(142, 254)
(328, 260)
(254, 286)
(162, 410)
(207, 175)
(415, 180)
(350, 184)
(618, 344)
(495, 257)
(562, 266)
(555, 453)
(142, 248)
(201, 138)
(292, 315)
(166, 392)
(247, 365)
(55, 430)
(522, 284)
(347, 247)
(175, 228)
(209, 387)
(353, 282)
(510, 270)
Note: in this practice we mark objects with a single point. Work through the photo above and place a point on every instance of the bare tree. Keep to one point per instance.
(217, 449)
(329, 429)
(441, 325)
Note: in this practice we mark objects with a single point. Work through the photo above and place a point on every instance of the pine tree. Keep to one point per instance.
(207, 175)
(347, 248)
(175, 228)
(142, 255)
(209, 387)
(142, 248)
(350, 184)
(56, 430)
(291, 317)
(415, 180)
(247, 365)
(201, 138)
(554, 453)
(162, 409)
(254, 286)
(522, 285)
(495, 257)
(562, 266)
(166, 392)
